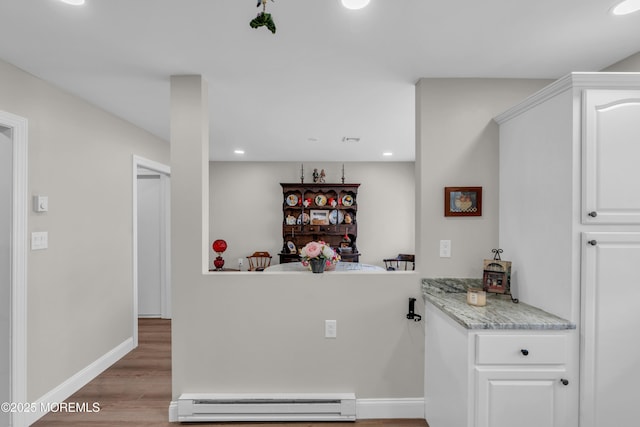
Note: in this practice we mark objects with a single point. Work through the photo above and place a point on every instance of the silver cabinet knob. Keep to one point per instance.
(593, 214)
(592, 242)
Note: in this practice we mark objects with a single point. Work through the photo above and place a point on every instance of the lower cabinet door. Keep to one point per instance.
(521, 397)
(610, 360)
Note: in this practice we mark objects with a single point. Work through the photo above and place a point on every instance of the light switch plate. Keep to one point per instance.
(445, 248)
(330, 328)
(39, 240)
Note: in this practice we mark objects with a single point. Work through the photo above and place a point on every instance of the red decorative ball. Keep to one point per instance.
(219, 246)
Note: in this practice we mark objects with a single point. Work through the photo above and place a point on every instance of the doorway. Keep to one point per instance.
(13, 265)
(151, 252)
(6, 208)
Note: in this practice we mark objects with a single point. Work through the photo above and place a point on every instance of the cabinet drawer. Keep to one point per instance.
(521, 349)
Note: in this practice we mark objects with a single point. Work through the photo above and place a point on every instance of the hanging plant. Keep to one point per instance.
(263, 19)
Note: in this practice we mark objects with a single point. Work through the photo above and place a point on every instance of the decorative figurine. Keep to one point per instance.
(322, 176)
(316, 176)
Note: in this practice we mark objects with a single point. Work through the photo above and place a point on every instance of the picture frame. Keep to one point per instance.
(463, 201)
(496, 276)
(319, 217)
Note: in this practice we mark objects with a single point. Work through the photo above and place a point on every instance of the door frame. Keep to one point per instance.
(165, 253)
(19, 138)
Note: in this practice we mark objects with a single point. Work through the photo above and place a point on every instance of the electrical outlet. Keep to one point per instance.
(445, 248)
(330, 328)
(240, 262)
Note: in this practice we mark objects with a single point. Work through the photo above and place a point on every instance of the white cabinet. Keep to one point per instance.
(611, 145)
(521, 397)
(570, 223)
(496, 378)
(521, 379)
(611, 356)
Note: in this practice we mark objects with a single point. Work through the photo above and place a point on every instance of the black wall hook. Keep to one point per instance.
(412, 314)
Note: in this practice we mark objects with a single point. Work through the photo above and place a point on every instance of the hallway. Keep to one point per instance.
(135, 391)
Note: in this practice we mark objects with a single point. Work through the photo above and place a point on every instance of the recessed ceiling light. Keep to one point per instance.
(350, 139)
(238, 151)
(355, 4)
(73, 2)
(387, 153)
(626, 7)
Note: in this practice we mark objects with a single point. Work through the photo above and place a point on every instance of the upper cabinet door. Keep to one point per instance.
(611, 157)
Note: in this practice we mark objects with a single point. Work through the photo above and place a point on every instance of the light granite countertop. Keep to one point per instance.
(450, 296)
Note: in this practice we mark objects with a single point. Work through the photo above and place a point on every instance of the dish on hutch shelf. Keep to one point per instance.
(303, 219)
(291, 246)
(292, 200)
(347, 200)
(349, 218)
(291, 220)
(336, 217)
(321, 200)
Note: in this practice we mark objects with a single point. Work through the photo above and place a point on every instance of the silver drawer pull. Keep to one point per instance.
(593, 242)
(564, 381)
(524, 352)
(593, 214)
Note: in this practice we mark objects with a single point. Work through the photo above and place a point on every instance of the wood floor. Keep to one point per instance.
(136, 391)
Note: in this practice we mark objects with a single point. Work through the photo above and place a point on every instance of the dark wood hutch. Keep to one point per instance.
(319, 211)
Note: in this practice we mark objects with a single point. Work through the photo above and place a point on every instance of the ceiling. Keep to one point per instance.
(328, 72)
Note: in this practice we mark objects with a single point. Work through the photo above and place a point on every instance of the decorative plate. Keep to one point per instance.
(303, 219)
(347, 200)
(336, 217)
(291, 246)
(292, 200)
(321, 200)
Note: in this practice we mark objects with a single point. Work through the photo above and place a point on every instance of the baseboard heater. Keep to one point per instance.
(194, 407)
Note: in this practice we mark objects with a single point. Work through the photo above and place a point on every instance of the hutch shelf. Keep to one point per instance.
(319, 211)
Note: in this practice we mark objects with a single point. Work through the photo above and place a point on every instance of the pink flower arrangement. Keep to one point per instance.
(318, 250)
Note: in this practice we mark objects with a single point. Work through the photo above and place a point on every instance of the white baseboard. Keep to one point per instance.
(79, 380)
(173, 411)
(365, 409)
(390, 408)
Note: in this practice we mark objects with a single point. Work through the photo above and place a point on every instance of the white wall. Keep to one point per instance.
(6, 181)
(245, 206)
(458, 146)
(629, 64)
(250, 332)
(80, 290)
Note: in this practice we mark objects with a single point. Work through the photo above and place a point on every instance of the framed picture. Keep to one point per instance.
(496, 276)
(463, 201)
(319, 217)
